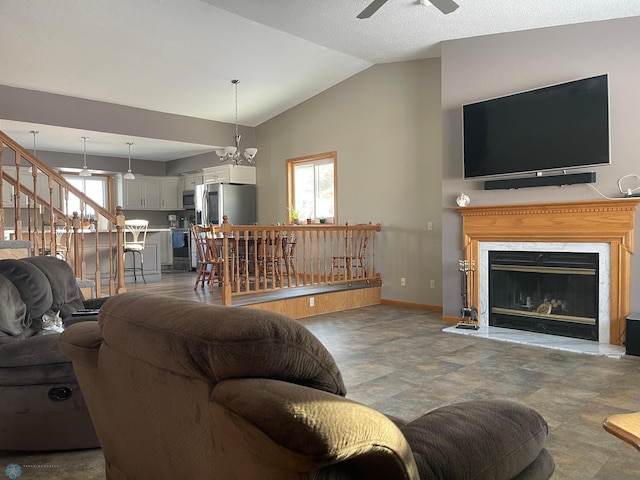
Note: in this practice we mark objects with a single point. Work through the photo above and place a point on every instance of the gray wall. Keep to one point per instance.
(484, 67)
(50, 109)
(385, 125)
(101, 163)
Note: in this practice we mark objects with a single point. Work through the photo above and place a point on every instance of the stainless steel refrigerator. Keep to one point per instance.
(237, 202)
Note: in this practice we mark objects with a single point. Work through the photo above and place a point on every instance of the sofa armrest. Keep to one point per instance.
(289, 428)
(81, 342)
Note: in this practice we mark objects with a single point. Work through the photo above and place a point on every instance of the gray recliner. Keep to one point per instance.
(41, 405)
(183, 389)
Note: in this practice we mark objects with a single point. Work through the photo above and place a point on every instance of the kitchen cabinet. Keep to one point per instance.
(230, 174)
(169, 193)
(142, 193)
(188, 182)
(7, 195)
(7, 188)
(26, 179)
(148, 193)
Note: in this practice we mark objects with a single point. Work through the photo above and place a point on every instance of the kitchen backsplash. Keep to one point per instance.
(156, 219)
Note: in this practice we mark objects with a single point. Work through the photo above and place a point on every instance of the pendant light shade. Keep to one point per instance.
(129, 175)
(85, 172)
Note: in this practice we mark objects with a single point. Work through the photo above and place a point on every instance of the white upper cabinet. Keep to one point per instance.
(26, 179)
(188, 182)
(147, 193)
(230, 174)
(169, 193)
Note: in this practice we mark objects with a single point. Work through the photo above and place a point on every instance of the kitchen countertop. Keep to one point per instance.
(152, 229)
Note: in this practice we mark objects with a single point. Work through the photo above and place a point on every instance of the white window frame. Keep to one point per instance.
(89, 211)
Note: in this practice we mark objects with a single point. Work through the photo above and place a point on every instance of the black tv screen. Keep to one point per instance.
(558, 127)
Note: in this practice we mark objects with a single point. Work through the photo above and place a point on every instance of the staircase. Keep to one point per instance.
(35, 207)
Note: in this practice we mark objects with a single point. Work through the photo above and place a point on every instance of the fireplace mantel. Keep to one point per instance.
(608, 221)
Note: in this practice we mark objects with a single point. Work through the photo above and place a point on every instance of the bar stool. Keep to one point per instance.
(63, 242)
(135, 234)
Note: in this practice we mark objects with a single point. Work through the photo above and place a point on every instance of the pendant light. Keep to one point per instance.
(85, 171)
(129, 175)
(34, 132)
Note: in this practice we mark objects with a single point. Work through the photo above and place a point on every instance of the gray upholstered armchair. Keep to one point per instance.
(41, 406)
(179, 389)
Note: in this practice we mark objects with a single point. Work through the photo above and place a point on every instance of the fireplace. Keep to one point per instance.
(603, 227)
(545, 292)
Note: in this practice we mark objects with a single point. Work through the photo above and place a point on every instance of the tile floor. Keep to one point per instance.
(401, 362)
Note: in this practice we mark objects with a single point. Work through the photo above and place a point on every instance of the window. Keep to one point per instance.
(311, 185)
(95, 187)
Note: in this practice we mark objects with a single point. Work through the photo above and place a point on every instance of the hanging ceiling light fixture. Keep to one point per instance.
(35, 151)
(85, 171)
(35, 132)
(233, 153)
(129, 175)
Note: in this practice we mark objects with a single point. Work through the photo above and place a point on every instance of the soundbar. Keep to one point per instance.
(540, 181)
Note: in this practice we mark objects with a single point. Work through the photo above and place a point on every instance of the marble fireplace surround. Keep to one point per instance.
(603, 226)
(604, 267)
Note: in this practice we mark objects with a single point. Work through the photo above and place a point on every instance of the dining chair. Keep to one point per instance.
(289, 257)
(135, 235)
(209, 261)
(351, 265)
(270, 257)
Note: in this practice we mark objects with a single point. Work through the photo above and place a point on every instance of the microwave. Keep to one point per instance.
(188, 200)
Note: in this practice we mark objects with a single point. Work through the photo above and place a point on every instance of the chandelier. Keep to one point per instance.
(85, 172)
(233, 153)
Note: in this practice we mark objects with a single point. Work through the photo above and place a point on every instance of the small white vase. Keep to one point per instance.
(463, 200)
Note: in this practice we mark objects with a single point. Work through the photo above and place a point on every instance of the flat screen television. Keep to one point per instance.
(558, 127)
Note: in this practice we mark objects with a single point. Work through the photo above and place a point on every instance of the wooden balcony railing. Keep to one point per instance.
(38, 198)
(259, 258)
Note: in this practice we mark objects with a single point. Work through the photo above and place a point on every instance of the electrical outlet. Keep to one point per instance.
(403, 282)
(429, 225)
(311, 302)
(432, 284)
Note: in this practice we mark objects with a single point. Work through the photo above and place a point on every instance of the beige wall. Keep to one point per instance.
(384, 124)
(485, 67)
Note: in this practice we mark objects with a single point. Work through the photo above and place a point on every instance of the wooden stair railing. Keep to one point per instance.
(41, 215)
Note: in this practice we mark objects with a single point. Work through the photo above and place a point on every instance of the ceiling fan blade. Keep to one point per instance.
(445, 6)
(372, 8)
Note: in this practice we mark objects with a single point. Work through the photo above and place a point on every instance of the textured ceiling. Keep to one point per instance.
(179, 56)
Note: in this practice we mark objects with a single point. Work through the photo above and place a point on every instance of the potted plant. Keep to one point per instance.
(295, 215)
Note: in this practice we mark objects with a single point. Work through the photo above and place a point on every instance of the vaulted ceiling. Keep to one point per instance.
(179, 56)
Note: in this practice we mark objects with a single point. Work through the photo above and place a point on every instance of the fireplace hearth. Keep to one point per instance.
(546, 292)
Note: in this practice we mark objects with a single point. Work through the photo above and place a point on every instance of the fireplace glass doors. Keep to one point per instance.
(547, 292)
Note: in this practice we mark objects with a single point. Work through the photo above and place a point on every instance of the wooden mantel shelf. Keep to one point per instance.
(600, 221)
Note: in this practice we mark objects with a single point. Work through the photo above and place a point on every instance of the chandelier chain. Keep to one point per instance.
(236, 82)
